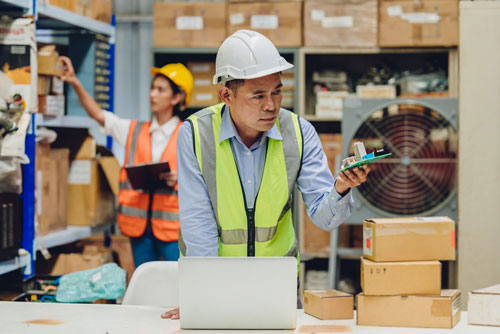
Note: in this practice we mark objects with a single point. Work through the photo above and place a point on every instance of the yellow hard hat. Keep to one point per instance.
(180, 75)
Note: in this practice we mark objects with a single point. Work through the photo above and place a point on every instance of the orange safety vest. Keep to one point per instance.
(133, 204)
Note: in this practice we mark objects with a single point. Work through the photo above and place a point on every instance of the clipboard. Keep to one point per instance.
(147, 176)
(364, 162)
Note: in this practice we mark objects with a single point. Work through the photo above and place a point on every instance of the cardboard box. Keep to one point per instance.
(418, 23)
(329, 304)
(49, 62)
(43, 85)
(376, 91)
(204, 96)
(193, 24)
(51, 188)
(330, 104)
(201, 67)
(64, 4)
(101, 10)
(56, 86)
(91, 257)
(483, 306)
(51, 105)
(441, 311)
(92, 185)
(87, 150)
(400, 278)
(288, 88)
(340, 23)
(204, 92)
(281, 22)
(409, 239)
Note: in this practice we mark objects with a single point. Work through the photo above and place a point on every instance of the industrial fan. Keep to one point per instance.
(419, 178)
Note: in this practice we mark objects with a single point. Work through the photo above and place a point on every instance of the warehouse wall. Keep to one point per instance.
(479, 135)
(134, 40)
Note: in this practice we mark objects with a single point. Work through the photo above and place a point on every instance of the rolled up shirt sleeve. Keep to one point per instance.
(325, 206)
(198, 223)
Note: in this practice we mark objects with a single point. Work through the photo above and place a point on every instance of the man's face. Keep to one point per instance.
(256, 104)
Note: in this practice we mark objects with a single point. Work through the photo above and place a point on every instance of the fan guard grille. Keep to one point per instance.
(421, 172)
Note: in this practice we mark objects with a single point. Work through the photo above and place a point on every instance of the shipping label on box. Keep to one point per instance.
(281, 22)
(341, 23)
(400, 278)
(441, 311)
(51, 105)
(193, 24)
(328, 304)
(426, 23)
(409, 239)
(483, 306)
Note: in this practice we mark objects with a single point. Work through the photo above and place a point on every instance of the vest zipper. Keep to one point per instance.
(251, 232)
(249, 212)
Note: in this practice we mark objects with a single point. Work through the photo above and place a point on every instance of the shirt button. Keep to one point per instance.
(249, 181)
(249, 154)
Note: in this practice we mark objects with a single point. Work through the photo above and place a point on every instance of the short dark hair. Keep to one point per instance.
(175, 90)
(235, 84)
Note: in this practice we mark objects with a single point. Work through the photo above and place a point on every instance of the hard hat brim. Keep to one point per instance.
(282, 68)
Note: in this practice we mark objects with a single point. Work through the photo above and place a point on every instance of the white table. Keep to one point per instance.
(54, 318)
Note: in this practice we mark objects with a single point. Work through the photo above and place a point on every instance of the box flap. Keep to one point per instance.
(367, 262)
(491, 290)
(48, 50)
(409, 220)
(450, 293)
(87, 149)
(328, 293)
(111, 169)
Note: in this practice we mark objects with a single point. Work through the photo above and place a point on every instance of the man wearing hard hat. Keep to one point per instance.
(151, 220)
(239, 162)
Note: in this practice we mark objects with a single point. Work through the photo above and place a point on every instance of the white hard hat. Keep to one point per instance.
(247, 55)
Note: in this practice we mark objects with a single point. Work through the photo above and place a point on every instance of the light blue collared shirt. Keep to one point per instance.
(325, 206)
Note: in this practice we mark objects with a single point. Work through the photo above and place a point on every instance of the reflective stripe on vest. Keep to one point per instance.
(134, 205)
(274, 234)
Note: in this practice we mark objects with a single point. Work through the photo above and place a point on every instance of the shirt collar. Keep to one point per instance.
(228, 130)
(166, 127)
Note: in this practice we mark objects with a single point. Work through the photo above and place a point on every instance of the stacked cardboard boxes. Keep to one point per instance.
(204, 92)
(51, 188)
(92, 185)
(192, 24)
(280, 21)
(50, 86)
(401, 273)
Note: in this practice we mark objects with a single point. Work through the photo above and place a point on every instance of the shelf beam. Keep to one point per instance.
(68, 235)
(16, 263)
(61, 18)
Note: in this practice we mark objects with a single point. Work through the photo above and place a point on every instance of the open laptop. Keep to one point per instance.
(238, 292)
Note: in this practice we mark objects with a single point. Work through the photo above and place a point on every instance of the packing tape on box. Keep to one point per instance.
(408, 230)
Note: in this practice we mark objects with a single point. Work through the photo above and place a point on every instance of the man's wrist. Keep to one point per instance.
(341, 190)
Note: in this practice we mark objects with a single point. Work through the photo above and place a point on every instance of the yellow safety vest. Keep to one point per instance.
(266, 230)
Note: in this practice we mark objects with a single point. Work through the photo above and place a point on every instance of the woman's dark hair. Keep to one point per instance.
(175, 90)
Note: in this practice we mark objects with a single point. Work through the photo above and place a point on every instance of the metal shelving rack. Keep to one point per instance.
(336, 253)
(52, 17)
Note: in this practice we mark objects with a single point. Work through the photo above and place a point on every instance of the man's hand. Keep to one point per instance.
(170, 178)
(351, 178)
(172, 314)
(69, 72)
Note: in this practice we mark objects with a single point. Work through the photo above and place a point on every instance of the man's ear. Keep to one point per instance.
(226, 95)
